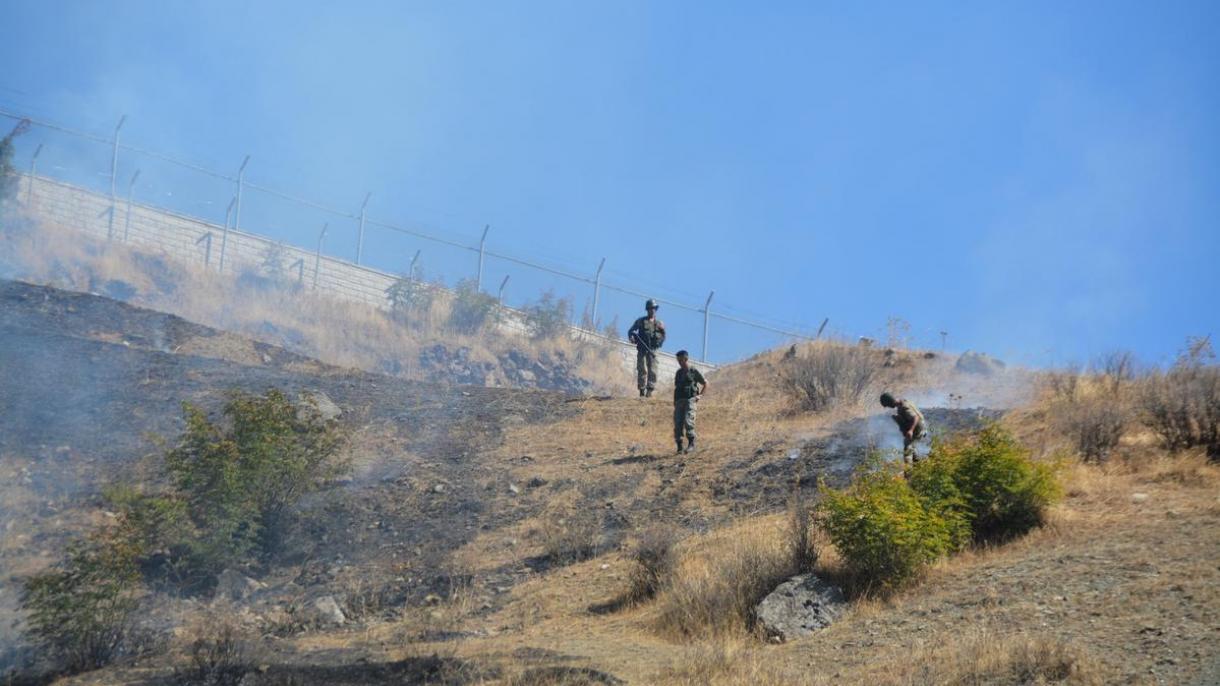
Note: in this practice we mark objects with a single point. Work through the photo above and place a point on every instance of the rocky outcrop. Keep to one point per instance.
(978, 363)
(799, 607)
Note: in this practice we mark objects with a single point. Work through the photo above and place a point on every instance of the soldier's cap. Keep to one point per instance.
(682, 353)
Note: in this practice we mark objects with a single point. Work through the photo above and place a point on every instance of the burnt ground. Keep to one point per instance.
(88, 383)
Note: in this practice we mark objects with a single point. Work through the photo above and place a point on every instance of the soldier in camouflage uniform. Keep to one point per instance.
(648, 334)
(689, 384)
(910, 421)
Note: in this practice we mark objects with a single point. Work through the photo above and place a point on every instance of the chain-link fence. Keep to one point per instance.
(133, 189)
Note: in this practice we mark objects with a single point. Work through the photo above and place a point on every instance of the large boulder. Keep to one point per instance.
(234, 585)
(978, 363)
(321, 611)
(799, 607)
(327, 409)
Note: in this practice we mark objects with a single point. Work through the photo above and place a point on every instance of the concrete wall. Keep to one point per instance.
(186, 238)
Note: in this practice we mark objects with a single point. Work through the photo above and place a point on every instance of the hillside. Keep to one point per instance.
(443, 542)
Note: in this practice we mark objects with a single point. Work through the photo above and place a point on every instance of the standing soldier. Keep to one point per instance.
(910, 421)
(648, 334)
(689, 384)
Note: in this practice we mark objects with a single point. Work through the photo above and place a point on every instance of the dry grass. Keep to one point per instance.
(715, 588)
(978, 660)
(339, 332)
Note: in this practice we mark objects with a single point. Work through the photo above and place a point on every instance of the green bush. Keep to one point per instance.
(8, 175)
(232, 484)
(988, 482)
(548, 318)
(883, 529)
(409, 294)
(471, 309)
(80, 610)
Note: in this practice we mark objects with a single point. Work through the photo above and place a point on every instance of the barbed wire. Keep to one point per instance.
(784, 330)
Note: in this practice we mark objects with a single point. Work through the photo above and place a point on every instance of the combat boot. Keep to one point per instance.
(648, 393)
(642, 393)
(679, 443)
(690, 446)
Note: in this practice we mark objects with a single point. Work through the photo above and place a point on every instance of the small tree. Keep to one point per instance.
(81, 610)
(548, 318)
(409, 295)
(8, 174)
(471, 309)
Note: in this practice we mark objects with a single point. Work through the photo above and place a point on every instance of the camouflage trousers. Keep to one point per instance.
(684, 418)
(908, 444)
(645, 369)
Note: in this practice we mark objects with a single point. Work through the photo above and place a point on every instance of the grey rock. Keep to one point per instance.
(978, 363)
(327, 409)
(234, 585)
(799, 607)
(322, 611)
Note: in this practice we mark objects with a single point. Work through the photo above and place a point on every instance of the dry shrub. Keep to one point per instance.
(1094, 425)
(991, 660)
(654, 563)
(715, 593)
(571, 534)
(218, 656)
(829, 375)
(1093, 410)
(1182, 406)
(801, 547)
(728, 663)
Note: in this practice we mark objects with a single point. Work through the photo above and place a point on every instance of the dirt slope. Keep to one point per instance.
(459, 493)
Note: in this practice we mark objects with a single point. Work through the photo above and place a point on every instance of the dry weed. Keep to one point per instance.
(715, 591)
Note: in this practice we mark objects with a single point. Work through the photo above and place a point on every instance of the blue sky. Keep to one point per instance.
(1038, 179)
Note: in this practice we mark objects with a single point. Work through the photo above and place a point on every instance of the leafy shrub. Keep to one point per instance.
(1182, 406)
(232, 483)
(884, 530)
(987, 480)
(829, 374)
(654, 563)
(80, 610)
(408, 295)
(548, 318)
(471, 310)
(8, 175)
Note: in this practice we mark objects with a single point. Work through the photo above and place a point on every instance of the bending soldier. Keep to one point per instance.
(648, 334)
(689, 384)
(910, 421)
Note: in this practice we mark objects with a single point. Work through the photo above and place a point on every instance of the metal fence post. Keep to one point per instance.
(707, 308)
(821, 328)
(360, 235)
(241, 181)
(597, 290)
(114, 170)
(224, 237)
(207, 250)
(411, 269)
(478, 282)
(503, 283)
(317, 257)
(131, 187)
(29, 198)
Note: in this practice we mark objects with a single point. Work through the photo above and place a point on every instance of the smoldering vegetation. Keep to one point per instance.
(423, 331)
